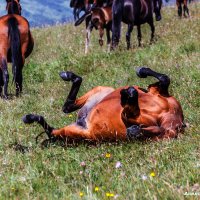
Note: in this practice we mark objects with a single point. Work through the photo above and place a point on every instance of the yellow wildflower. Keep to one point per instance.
(96, 189)
(81, 194)
(70, 115)
(152, 174)
(109, 194)
(108, 155)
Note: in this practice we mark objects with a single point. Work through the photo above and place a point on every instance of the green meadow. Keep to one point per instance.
(122, 170)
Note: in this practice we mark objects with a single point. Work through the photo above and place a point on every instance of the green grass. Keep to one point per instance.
(55, 172)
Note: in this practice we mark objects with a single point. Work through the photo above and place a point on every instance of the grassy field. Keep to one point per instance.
(149, 170)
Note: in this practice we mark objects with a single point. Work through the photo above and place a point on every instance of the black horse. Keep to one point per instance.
(134, 13)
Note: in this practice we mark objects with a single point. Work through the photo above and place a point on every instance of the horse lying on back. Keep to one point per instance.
(16, 44)
(134, 13)
(110, 114)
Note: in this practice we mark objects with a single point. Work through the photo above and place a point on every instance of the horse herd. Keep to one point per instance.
(105, 113)
(108, 14)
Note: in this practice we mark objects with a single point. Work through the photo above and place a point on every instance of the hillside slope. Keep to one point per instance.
(163, 170)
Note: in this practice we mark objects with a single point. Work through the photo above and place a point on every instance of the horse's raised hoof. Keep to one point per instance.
(141, 72)
(66, 76)
(133, 132)
(28, 119)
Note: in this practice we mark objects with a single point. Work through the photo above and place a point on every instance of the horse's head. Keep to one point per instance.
(157, 8)
(13, 7)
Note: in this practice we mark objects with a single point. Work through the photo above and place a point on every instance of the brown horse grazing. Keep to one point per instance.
(185, 8)
(110, 114)
(16, 44)
(101, 18)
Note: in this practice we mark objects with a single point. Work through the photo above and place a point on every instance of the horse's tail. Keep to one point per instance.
(15, 46)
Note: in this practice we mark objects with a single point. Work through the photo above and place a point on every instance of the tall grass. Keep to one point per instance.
(149, 170)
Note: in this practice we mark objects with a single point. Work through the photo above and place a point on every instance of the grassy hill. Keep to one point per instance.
(150, 170)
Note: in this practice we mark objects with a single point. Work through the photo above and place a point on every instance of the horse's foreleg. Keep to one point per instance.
(101, 33)
(135, 131)
(164, 80)
(69, 105)
(139, 36)
(108, 29)
(128, 36)
(89, 28)
(117, 11)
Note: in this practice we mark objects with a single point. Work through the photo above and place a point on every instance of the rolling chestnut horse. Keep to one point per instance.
(185, 8)
(16, 44)
(110, 114)
(134, 13)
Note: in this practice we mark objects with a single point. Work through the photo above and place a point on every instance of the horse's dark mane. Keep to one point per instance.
(13, 8)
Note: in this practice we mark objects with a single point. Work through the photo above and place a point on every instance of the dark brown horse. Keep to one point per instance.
(119, 114)
(16, 44)
(134, 13)
(185, 8)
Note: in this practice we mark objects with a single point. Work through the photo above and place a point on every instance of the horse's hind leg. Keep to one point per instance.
(164, 80)
(139, 36)
(69, 105)
(5, 76)
(108, 29)
(185, 8)
(178, 3)
(1, 81)
(128, 36)
(30, 118)
(151, 24)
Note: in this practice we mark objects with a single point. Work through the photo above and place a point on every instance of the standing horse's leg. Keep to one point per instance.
(1, 82)
(69, 105)
(139, 36)
(185, 8)
(4, 68)
(101, 33)
(117, 11)
(128, 36)
(178, 3)
(89, 28)
(108, 28)
(152, 29)
(19, 79)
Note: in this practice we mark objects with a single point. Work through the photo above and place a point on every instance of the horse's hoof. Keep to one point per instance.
(28, 119)
(158, 18)
(66, 76)
(101, 42)
(141, 72)
(133, 132)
